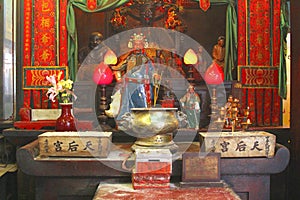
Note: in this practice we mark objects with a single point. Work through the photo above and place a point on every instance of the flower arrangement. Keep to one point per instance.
(61, 89)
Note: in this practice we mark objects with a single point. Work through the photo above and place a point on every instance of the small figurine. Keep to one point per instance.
(191, 107)
(218, 53)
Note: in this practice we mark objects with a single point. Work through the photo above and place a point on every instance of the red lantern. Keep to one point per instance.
(110, 58)
(214, 74)
(190, 57)
(103, 74)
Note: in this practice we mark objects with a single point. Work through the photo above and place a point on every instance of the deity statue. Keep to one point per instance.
(137, 76)
(190, 103)
(95, 39)
(218, 53)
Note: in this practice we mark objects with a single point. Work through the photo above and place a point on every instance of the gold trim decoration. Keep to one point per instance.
(258, 76)
(34, 77)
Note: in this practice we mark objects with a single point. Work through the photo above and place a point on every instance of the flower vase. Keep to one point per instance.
(66, 121)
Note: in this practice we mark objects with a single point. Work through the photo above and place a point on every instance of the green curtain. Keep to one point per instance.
(284, 28)
(231, 36)
(102, 5)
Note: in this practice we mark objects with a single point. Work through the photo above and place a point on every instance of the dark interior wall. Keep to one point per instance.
(204, 27)
(87, 23)
(294, 186)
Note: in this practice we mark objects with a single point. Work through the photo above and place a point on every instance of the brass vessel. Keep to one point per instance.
(153, 127)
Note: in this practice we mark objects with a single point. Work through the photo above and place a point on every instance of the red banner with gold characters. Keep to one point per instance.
(27, 43)
(44, 33)
(258, 59)
(44, 41)
(27, 32)
(63, 39)
(45, 44)
(276, 32)
(242, 34)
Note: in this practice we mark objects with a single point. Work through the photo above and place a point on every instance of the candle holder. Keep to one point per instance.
(245, 125)
(103, 76)
(102, 105)
(190, 59)
(214, 76)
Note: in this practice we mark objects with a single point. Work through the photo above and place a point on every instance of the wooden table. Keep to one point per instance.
(20, 137)
(78, 178)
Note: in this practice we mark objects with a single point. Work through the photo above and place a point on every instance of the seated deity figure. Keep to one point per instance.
(95, 39)
(190, 103)
(135, 76)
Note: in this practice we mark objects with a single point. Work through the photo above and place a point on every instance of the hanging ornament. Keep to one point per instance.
(118, 21)
(204, 4)
(214, 74)
(91, 4)
(190, 57)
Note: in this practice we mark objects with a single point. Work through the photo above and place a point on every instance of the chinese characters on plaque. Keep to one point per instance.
(239, 144)
(75, 144)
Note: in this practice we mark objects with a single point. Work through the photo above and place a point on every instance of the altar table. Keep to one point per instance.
(78, 178)
(126, 192)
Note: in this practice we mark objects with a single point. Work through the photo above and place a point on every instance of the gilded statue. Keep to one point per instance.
(218, 53)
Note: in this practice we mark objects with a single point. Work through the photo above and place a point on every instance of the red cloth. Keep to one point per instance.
(258, 45)
(125, 192)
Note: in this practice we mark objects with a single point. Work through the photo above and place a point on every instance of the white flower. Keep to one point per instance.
(61, 89)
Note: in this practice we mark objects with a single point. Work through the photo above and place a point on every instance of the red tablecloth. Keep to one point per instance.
(126, 192)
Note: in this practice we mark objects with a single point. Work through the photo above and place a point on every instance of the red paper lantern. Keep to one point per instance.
(214, 74)
(103, 74)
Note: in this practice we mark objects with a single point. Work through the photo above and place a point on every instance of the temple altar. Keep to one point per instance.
(79, 178)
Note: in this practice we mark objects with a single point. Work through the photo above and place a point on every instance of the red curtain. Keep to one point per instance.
(259, 45)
